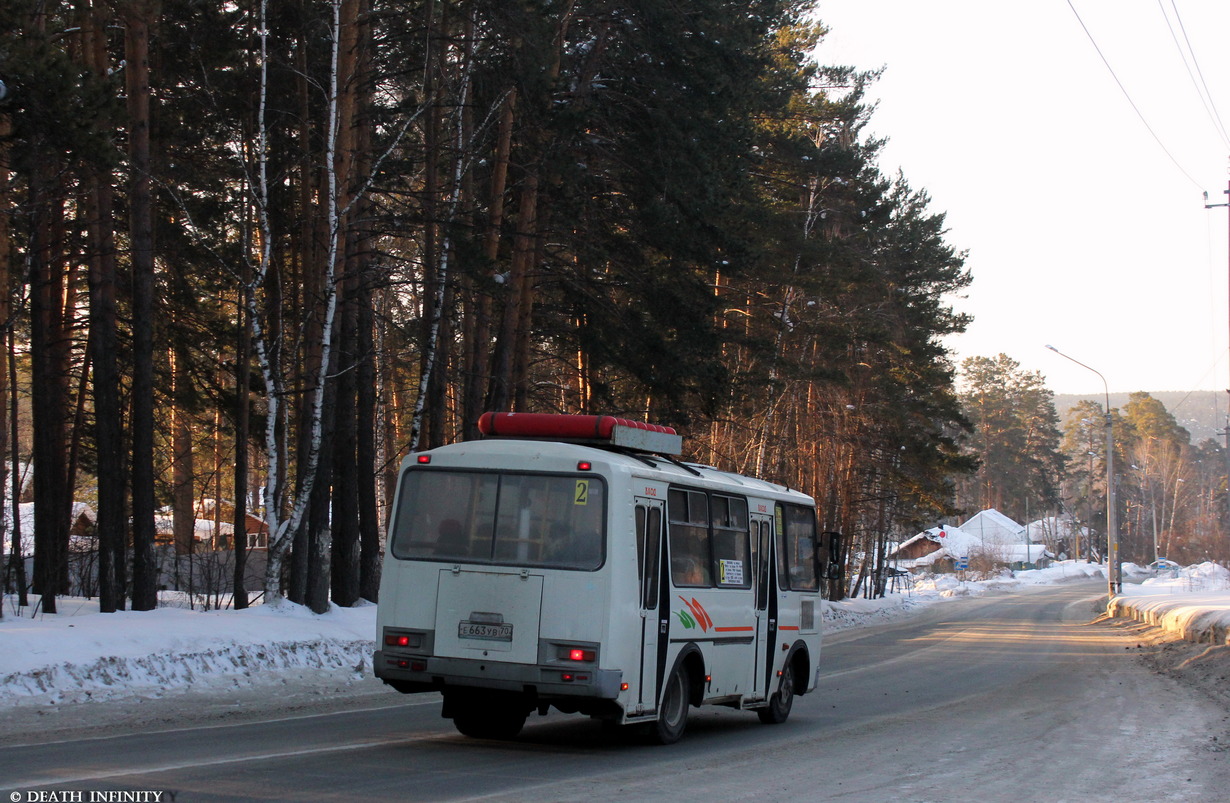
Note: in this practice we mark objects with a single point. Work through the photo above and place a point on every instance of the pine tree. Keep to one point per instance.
(1016, 436)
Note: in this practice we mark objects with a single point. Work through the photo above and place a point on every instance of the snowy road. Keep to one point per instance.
(1006, 697)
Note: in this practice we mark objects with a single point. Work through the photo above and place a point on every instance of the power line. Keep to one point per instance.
(1206, 97)
(1131, 102)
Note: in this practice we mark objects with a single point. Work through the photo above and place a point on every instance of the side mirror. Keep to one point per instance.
(829, 555)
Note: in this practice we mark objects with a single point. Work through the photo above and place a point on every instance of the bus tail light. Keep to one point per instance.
(424, 459)
(585, 465)
(412, 641)
(574, 652)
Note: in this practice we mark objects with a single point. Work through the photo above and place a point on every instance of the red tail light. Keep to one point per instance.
(581, 655)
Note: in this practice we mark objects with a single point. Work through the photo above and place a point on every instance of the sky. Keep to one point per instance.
(1082, 231)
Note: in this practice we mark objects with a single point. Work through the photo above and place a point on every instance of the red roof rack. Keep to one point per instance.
(593, 429)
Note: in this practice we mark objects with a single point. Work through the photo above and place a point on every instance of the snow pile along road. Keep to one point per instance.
(1193, 603)
(85, 655)
(80, 654)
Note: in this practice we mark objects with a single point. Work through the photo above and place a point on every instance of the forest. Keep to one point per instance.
(1170, 493)
(252, 254)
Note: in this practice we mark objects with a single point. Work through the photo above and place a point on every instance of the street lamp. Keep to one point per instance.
(1114, 570)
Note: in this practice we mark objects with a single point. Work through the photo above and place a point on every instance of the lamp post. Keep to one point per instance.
(1114, 569)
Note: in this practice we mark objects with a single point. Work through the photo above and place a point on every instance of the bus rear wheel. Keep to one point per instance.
(673, 712)
(778, 709)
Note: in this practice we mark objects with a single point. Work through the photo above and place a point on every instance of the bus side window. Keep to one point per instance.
(731, 542)
(763, 535)
(689, 538)
(648, 548)
(783, 559)
(640, 542)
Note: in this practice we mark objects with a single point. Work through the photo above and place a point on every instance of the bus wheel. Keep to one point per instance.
(493, 722)
(673, 713)
(779, 706)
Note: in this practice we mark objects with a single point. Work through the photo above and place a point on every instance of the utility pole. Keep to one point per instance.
(1226, 431)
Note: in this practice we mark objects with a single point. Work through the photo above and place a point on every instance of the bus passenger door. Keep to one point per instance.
(762, 563)
(654, 611)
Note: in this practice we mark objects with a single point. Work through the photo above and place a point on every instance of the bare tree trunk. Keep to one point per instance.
(6, 312)
(369, 516)
(282, 529)
(344, 522)
(479, 332)
(243, 398)
(103, 339)
(138, 17)
(49, 394)
(183, 464)
(508, 346)
(525, 253)
(18, 553)
(434, 303)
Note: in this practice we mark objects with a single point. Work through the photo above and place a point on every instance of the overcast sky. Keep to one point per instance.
(1082, 231)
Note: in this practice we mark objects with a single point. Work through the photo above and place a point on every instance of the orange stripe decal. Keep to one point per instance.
(788, 627)
(733, 629)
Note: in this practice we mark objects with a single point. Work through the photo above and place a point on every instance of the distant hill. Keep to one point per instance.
(1200, 412)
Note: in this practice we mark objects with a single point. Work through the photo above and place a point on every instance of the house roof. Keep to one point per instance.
(1054, 527)
(952, 541)
(993, 527)
(82, 517)
(955, 542)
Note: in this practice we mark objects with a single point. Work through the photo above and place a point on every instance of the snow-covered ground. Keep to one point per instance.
(1193, 602)
(81, 655)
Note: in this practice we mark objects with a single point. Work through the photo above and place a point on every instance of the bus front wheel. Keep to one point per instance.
(778, 709)
(673, 713)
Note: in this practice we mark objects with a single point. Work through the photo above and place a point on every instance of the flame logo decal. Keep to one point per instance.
(699, 615)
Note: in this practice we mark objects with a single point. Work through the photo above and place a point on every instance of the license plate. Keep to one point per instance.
(486, 631)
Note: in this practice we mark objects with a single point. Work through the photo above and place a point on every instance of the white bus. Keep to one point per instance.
(570, 561)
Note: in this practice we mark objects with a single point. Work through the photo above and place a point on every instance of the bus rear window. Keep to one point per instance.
(488, 517)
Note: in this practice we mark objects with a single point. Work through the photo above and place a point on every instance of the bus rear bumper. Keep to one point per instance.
(411, 673)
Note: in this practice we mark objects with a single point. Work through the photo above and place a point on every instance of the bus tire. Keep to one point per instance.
(778, 709)
(493, 722)
(673, 712)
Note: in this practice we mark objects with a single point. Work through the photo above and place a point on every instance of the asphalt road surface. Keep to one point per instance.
(1019, 696)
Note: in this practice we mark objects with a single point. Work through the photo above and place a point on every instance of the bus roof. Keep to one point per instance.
(515, 454)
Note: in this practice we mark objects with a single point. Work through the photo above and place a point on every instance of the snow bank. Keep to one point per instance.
(82, 654)
(1193, 603)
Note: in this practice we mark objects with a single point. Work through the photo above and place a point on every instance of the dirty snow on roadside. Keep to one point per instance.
(81, 654)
